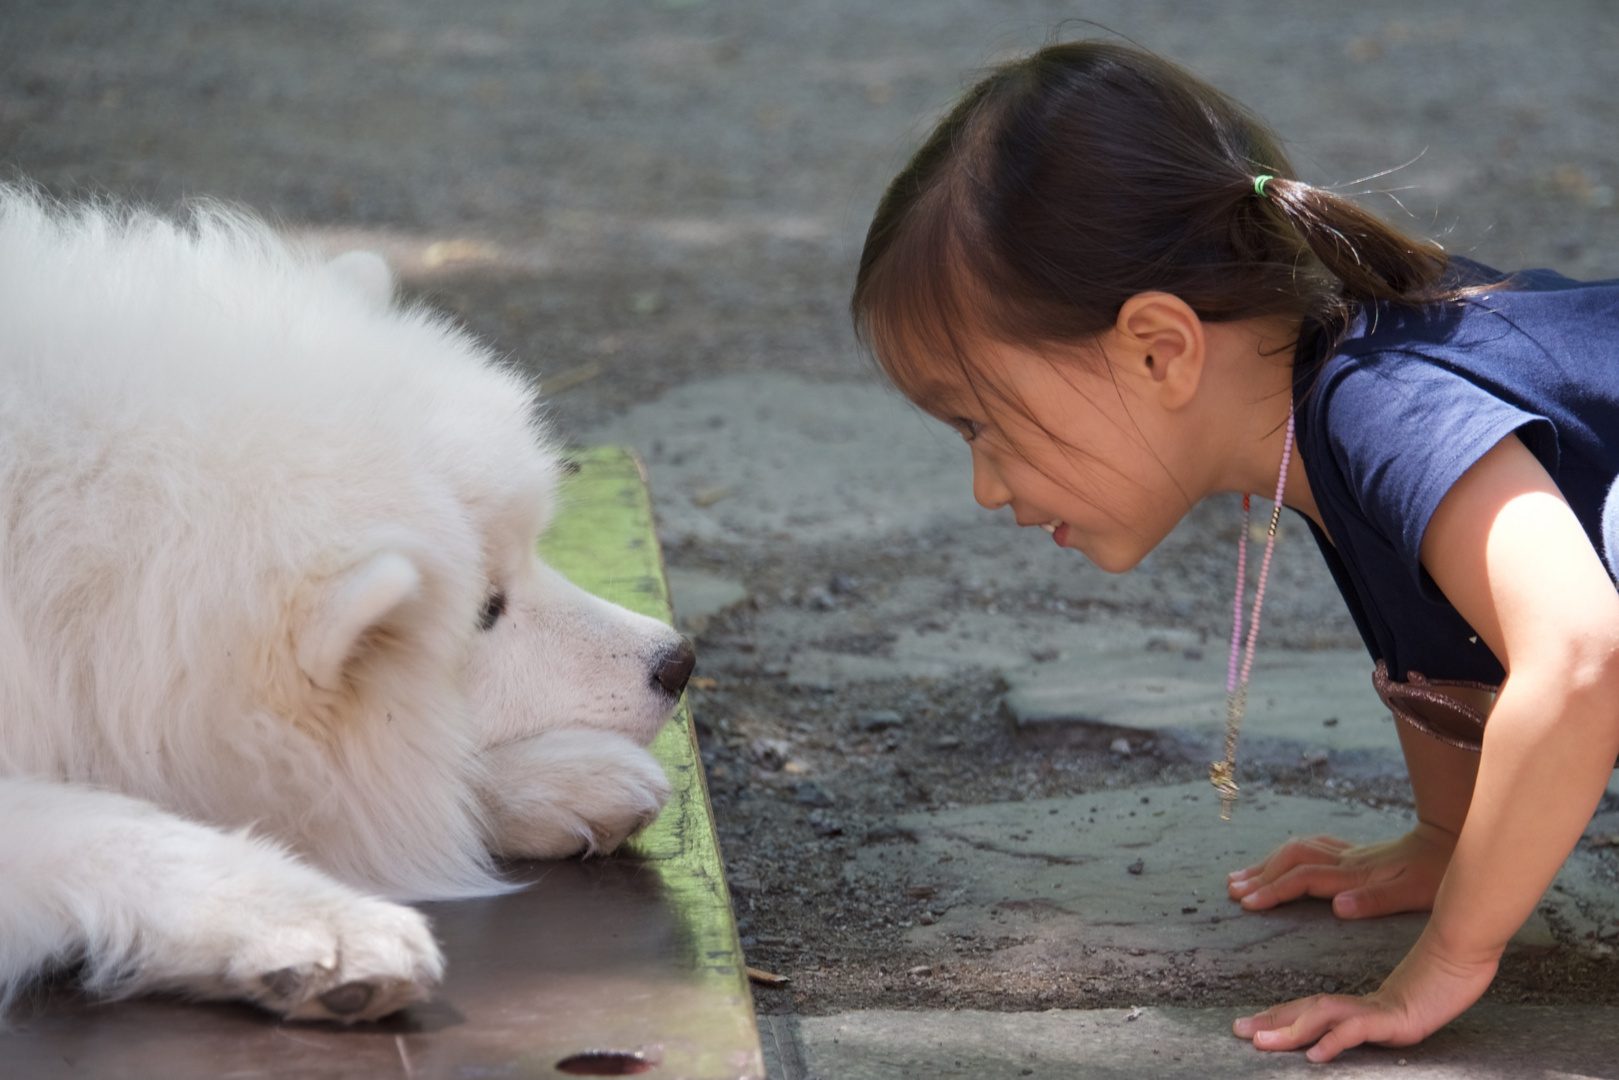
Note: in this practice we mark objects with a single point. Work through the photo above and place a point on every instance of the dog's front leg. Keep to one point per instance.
(570, 791)
(145, 900)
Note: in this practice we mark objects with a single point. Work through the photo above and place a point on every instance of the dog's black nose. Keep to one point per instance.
(675, 668)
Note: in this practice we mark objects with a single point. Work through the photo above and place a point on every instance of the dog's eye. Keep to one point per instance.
(493, 608)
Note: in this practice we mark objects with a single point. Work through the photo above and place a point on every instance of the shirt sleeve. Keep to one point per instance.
(1403, 429)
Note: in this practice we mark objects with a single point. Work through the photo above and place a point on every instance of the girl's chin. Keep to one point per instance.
(1112, 560)
(1115, 563)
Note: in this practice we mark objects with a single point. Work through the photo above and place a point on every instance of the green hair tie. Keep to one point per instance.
(1259, 183)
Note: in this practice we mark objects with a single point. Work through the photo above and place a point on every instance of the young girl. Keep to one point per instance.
(1102, 273)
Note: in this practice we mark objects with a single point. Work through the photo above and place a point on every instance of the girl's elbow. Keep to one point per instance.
(1577, 668)
(1591, 670)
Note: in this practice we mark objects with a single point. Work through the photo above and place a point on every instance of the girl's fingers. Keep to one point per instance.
(1368, 1024)
(1403, 893)
(1342, 1036)
(1296, 852)
(1305, 1025)
(1277, 1016)
(1333, 1023)
(1310, 880)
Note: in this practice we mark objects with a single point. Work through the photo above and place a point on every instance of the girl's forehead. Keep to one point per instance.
(949, 387)
(965, 372)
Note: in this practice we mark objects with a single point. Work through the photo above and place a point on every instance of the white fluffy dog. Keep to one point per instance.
(274, 640)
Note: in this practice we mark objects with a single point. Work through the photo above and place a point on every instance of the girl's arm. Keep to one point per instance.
(1509, 554)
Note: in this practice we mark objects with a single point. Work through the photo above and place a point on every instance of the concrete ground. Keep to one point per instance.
(656, 206)
(1488, 1043)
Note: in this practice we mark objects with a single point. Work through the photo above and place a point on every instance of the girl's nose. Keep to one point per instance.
(988, 489)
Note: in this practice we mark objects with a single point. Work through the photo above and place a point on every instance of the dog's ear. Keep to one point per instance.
(355, 604)
(366, 273)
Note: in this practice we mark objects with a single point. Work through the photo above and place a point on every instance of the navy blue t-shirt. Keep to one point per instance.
(1409, 399)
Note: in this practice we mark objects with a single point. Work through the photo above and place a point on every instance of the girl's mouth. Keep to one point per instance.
(1058, 531)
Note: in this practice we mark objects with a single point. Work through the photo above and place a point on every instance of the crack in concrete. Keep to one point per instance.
(985, 845)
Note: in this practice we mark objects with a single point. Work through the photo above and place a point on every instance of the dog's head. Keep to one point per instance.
(446, 571)
(465, 587)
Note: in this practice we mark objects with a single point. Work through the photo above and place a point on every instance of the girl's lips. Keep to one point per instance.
(1058, 531)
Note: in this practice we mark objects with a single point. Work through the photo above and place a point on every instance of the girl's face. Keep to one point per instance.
(1071, 445)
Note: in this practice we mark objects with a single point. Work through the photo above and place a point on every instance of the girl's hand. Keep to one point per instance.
(1362, 881)
(1426, 992)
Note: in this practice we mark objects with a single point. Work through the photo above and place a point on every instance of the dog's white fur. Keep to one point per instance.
(250, 514)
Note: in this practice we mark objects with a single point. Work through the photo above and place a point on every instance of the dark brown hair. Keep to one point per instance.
(1070, 180)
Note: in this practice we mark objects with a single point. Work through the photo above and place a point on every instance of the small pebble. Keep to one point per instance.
(881, 720)
(709, 496)
(1331, 721)
(1120, 746)
(920, 969)
(1137, 867)
(770, 754)
(812, 795)
(825, 824)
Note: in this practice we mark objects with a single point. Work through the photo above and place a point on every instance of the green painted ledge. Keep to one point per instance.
(604, 540)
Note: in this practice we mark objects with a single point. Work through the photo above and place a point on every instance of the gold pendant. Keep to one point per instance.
(1222, 774)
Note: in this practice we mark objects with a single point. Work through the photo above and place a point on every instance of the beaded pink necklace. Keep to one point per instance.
(1222, 774)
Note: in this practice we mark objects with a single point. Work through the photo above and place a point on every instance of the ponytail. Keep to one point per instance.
(1068, 181)
(1370, 261)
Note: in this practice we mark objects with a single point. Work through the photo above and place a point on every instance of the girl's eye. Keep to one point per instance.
(969, 429)
(493, 608)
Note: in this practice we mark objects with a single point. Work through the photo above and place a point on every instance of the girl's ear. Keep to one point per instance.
(1161, 339)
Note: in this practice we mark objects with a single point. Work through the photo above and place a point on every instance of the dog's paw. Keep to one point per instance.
(571, 791)
(358, 962)
(289, 939)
